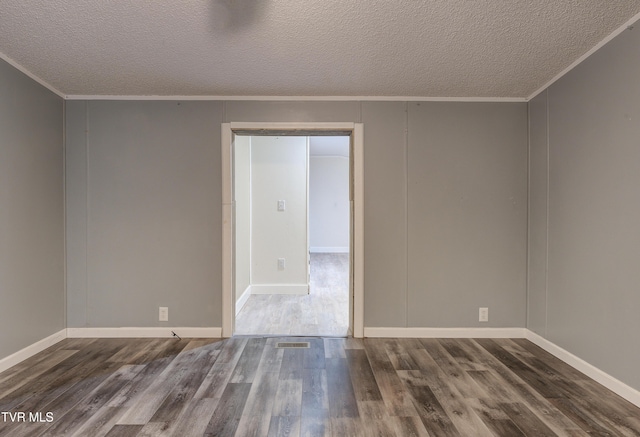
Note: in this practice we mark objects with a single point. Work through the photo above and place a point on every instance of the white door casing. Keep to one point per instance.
(356, 130)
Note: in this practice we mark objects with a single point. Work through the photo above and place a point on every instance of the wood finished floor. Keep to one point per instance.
(245, 386)
(323, 312)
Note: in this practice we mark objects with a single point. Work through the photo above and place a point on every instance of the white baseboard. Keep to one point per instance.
(134, 332)
(613, 384)
(445, 332)
(319, 249)
(280, 289)
(244, 297)
(31, 350)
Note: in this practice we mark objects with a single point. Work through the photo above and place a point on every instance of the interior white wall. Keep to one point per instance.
(585, 296)
(279, 171)
(242, 202)
(32, 297)
(329, 204)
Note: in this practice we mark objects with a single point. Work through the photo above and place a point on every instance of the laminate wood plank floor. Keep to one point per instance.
(247, 386)
(323, 312)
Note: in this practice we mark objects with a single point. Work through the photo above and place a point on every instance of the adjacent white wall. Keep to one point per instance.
(32, 298)
(279, 169)
(242, 202)
(329, 204)
(328, 207)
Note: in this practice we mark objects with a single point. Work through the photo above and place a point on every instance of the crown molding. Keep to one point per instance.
(301, 98)
(32, 76)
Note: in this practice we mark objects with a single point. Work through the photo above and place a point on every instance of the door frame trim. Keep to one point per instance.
(356, 131)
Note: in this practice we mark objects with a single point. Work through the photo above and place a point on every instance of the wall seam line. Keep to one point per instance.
(64, 212)
(528, 221)
(86, 214)
(406, 210)
(546, 268)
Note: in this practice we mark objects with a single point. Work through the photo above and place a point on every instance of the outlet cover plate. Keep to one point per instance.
(483, 314)
(163, 314)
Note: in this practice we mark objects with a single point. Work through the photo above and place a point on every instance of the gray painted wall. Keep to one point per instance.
(538, 183)
(144, 193)
(385, 211)
(149, 227)
(31, 212)
(467, 213)
(593, 229)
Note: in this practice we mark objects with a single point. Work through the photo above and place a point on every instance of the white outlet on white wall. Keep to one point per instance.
(163, 315)
(483, 314)
(281, 263)
(281, 205)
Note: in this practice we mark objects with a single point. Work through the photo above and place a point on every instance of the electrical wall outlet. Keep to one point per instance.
(281, 205)
(163, 315)
(483, 315)
(281, 263)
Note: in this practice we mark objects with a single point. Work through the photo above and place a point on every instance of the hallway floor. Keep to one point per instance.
(324, 311)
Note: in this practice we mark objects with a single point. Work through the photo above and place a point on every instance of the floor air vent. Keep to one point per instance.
(293, 345)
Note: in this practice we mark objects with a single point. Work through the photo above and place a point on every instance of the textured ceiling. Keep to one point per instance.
(422, 48)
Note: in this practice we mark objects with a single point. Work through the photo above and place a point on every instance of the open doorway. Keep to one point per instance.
(352, 256)
(292, 235)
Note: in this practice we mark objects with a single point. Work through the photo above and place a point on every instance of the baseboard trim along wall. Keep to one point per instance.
(31, 350)
(445, 332)
(244, 297)
(152, 332)
(280, 289)
(613, 384)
